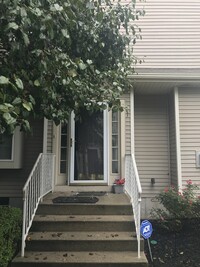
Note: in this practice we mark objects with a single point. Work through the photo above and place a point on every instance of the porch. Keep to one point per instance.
(105, 229)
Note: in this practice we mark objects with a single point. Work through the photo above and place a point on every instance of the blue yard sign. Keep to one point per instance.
(146, 229)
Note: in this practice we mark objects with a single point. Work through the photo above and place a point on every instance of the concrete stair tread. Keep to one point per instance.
(82, 257)
(107, 199)
(81, 236)
(83, 218)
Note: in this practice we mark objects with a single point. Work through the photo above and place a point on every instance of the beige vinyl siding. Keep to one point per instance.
(170, 33)
(152, 142)
(172, 138)
(12, 181)
(50, 136)
(189, 115)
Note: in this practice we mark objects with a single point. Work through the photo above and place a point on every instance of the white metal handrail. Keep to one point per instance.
(134, 190)
(39, 183)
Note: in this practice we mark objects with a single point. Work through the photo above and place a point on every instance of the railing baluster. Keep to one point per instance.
(39, 183)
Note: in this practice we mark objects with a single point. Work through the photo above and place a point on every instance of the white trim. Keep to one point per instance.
(16, 154)
(122, 140)
(177, 132)
(132, 122)
(164, 77)
(72, 148)
(106, 146)
(45, 130)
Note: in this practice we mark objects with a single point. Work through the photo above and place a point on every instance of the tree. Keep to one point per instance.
(63, 55)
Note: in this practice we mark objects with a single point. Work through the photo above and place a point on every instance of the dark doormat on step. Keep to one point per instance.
(96, 194)
(75, 199)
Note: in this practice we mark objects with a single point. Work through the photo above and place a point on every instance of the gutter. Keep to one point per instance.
(160, 77)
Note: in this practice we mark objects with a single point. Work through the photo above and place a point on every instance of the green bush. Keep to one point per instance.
(10, 233)
(178, 205)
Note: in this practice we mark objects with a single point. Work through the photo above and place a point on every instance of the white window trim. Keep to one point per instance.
(16, 160)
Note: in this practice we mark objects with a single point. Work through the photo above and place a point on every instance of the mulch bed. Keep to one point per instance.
(175, 248)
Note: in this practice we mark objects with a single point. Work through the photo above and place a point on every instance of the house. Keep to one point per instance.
(160, 125)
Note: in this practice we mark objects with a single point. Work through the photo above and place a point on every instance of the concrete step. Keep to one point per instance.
(101, 223)
(84, 209)
(82, 241)
(83, 235)
(81, 259)
(83, 223)
(108, 204)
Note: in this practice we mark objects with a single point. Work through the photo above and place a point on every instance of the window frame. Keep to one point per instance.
(118, 143)
(16, 154)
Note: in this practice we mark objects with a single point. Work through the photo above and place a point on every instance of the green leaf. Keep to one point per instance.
(82, 66)
(8, 118)
(17, 101)
(97, 72)
(32, 99)
(65, 33)
(89, 62)
(4, 80)
(58, 7)
(26, 39)
(19, 83)
(23, 12)
(27, 106)
(26, 126)
(37, 83)
(3, 108)
(72, 73)
(12, 25)
(37, 12)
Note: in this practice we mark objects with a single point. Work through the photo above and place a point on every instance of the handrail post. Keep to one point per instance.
(24, 223)
(42, 174)
(139, 243)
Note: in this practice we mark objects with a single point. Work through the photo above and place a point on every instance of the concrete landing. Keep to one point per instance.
(107, 199)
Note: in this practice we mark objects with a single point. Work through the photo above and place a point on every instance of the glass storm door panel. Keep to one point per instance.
(89, 147)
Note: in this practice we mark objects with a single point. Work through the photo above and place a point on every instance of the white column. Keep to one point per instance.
(177, 131)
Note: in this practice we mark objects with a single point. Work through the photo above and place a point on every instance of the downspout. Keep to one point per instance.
(178, 142)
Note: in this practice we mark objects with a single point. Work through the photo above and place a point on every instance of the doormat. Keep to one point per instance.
(75, 199)
(96, 194)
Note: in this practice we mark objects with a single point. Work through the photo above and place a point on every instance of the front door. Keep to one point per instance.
(89, 148)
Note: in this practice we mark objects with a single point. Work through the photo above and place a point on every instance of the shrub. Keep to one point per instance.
(10, 233)
(177, 206)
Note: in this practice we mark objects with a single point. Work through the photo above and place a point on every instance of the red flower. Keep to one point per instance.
(166, 189)
(189, 182)
(120, 181)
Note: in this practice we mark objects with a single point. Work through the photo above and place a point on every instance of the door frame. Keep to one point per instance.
(105, 152)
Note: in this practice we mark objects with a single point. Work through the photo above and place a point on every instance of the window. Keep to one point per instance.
(115, 142)
(11, 150)
(63, 148)
(6, 147)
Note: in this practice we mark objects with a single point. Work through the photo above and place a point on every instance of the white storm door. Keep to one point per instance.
(89, 148)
